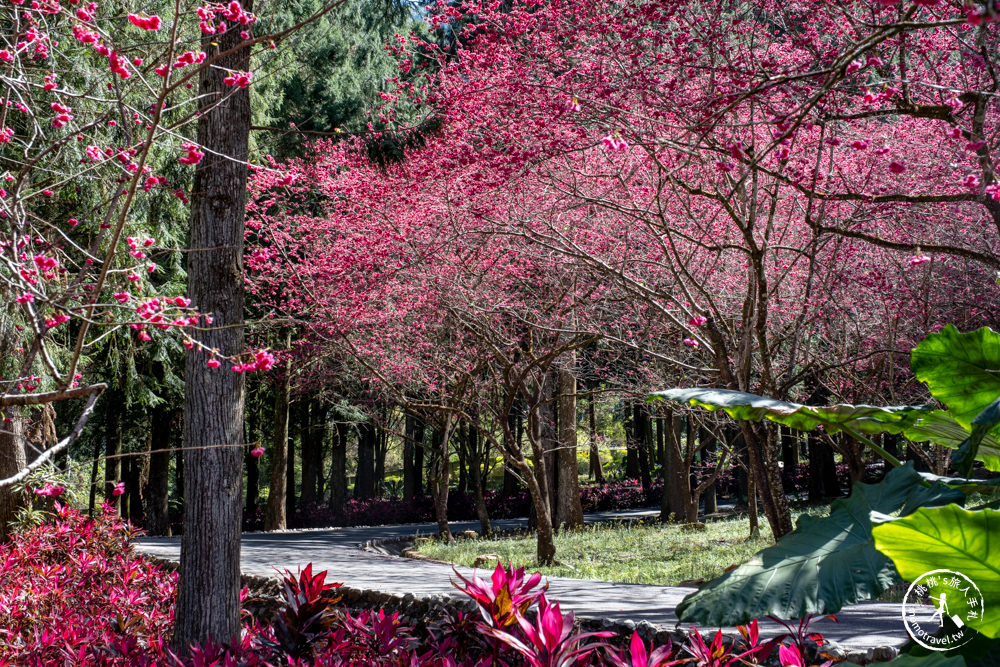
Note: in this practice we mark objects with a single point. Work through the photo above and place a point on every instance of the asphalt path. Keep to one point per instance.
(342, 552)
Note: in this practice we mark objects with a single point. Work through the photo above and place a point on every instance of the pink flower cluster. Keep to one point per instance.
(145, 22)
(262, 361)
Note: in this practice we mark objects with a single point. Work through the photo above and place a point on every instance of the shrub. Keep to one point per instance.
(73, 588)
(622, 495)
(73, 591)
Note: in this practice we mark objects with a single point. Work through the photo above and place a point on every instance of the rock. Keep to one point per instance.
(884, 653)
(692, 583)
(696, 526)
(469, 534)
(485, 559)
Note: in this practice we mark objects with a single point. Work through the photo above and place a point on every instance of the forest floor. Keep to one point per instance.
(341, 551)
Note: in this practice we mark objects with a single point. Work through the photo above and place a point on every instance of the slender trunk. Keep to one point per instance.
(208, 605)
(381, 449)
(676, 485)
(418, 457)
(133, 488)
(640, 419)
(409, 478)
(513, 432)
(789, 448)
(94, 469)
(338, 466)
(660, 441)
(708, 454)
(275, 516)
(569, 511)
(252, 465)
(596, 469)
(545, 547)
(763, 449)
(548, 429)
(364, 480)
(179, 472)
(462, 449)
(752, 503)
(442, 477)
(310, 471)
(631, 444)
(13, 459)
(290, 463)
(476, 475)
(112, 454)
(822, 470)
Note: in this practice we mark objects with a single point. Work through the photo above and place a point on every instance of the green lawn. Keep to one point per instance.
(626, 552)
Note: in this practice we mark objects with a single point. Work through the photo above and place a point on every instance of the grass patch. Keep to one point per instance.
(627, 552)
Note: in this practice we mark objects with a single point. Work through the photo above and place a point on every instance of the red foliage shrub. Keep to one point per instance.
(74, 592)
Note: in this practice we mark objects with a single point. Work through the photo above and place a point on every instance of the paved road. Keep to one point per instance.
(340, 550)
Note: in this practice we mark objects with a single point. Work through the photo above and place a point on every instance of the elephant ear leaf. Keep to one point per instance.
(833, 418)
(949, 538)
(962, 370)
(824, 564)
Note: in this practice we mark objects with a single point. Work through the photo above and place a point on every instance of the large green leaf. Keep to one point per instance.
(950, 538)
(913, 422)
(961, 370)
(823, 564)
(834, 418)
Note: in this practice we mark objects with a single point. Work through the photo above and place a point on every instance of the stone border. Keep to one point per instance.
(264, 593)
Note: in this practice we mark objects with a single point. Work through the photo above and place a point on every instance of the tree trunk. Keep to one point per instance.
(752, 503)
(364, 480)
(290, 463)
(442, 477)
(275, 516)
(789, 448)
(208, 592)
(514, 431)
(822, 470)
(631, 444)
(132, 509)
(409, 444)
(762, 446)
(94, 469)
(569, 511)
(596, 469)
(179, 472)
(252, 465)
(708, 454)
(676, 480)
(548, 415)
(462, 449)
(418, 457)
(381, 450)
(13, 459)
(660, 441)
(476, 475)
(640, 420)
(535, 479)
(310, 469)
(338, 466)
(112, 453)
(854, 458)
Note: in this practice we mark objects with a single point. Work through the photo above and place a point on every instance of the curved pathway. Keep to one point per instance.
(341, 551)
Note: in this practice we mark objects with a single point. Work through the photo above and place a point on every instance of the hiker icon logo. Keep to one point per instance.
(937, 608)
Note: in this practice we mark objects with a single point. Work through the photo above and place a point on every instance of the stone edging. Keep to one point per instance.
(264, 594)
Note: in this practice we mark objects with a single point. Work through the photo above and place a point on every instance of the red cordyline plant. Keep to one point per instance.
(73, 591)
(508, 594)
